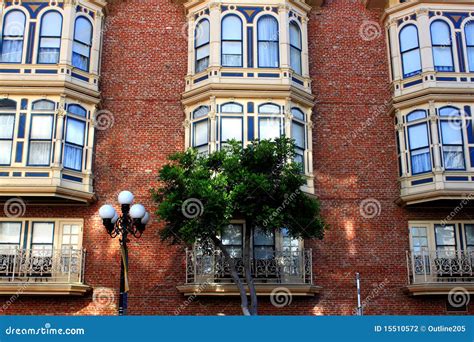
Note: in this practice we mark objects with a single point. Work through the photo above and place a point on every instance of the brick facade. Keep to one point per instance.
(144, 65)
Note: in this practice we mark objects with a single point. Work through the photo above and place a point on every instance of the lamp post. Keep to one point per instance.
(133, 221)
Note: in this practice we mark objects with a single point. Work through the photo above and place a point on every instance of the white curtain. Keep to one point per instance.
(40, 152)
(12, 50)
(41, 126)
(200, 133)
(419, 148)
(74, 135)
(75, 132)
(269, 128)
(231, 41)
(231, 129)
(441, 40)
(49, 50)
(73, 157)
(13, 33)
(295, 47)
(420, 161)
(80, 56)
(453, 157)
(268, 37)
(50, 38)
(5, 152)
(41, 129)
(6, 132)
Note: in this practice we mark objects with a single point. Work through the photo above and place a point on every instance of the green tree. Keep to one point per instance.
(259, 184)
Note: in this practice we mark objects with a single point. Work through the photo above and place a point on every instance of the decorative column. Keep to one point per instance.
(96, 43)
(67, 37)
(395, 60)
(400, 129)
(304, 42)
(435, 137)
(425, 39)
(213, 125)
(288, 117)
(283, 11)
(309, 150)
(215, 34)
(191, 24)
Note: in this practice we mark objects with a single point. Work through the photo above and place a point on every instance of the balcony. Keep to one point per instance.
(208, 274)
(438, 272)
(42, 271)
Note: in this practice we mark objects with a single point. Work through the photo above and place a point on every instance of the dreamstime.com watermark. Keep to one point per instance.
(457, 210)
(202, 287)
(372, 295)
(46, 330)
(277, 211)
(14, 297)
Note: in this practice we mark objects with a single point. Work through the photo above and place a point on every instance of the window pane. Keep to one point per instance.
(231, 48)
(14, 24)
(202, 64)
(50, 42)
(39, 153)
(81, 49)
(408, 38)
(7, 123)
(295, 35)
(232, 235)
(420, 161)
(202, 52)
(445, 235)
(268, 54)
(451, 131)
(268, 29)
(43, 105)
(10, 232)
(83, 31)
(231, 129)
(411, 62)
(418, 136)
(469, 229)
(440, 33)
(449, 111)
(79, 61)
(453, 157)
(232, 28)
(295, 57)
(12, 51)
(200, 133)
(469, 31)
(419, 114)
(297, 114)
(48, 55)
(77, 110)
(269, 109)
(42, 233)
(41, 127)
(263, 238)
(443, 59)
(202, 33)
(297, 133)
(231, 108)
(51, 24)
(269, 128)
(73, 157)
(75, 132)
(5, 152)
(201, 111)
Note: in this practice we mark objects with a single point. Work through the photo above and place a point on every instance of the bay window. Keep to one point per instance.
(267, 40)
(201, 45)
(410, 51)
(13, 36)
(419, 145)
(50, 38)
(441, 41)
(295, 47)
(469, 34)
(75, 137)
(232, 41)
(81, 49)
(452, 139)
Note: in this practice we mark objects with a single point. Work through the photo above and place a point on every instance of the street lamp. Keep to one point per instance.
(133, 221)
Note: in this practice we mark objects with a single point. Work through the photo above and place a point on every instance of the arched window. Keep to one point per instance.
(469, 32)
(7, 126)
(452, 139)
(201, 45)
(418, 141)
(81, 49)
(232, 107)
(270, 122)
(295, 47)
(442, 46)
(41, 133)
(12, 37)
(75, 137)
(232, 41)
(268, 34)
(298, 133)
(410, 51)
(50, 38)
(200, 129)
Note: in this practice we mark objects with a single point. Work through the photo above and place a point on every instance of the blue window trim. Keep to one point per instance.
(300, 50)
(463, 145)
(23, 37)
(470, 22)
(414, 73)
(419, 148)
(89, 44)
(50, 140)
(196, 47)
(40, 36)
(12, 137)
(232, 40)
(268, 41)
(73, 144)
(442, 45)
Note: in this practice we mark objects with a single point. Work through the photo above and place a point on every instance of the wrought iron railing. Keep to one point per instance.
(428, 266)
(290, 267)
(42, 265)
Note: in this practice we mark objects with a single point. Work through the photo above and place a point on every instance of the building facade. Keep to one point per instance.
(377, 94)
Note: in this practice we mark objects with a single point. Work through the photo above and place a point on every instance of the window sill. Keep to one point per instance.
(429, 289)
(37, 289)
(213, 289)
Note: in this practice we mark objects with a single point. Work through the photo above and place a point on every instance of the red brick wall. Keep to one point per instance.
(143, 70)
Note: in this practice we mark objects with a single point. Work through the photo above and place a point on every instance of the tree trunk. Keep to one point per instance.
(248, 269)
(233, 271)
